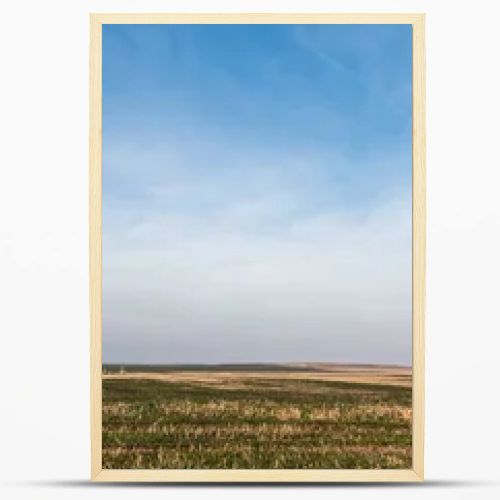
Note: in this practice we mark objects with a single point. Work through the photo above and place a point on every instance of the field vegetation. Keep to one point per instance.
(258, 418)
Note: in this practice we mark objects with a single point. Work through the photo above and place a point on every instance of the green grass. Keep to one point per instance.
(266, 424)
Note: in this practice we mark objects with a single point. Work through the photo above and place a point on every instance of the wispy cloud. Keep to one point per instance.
(257, 251)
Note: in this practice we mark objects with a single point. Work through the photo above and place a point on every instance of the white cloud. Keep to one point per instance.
(330, 286)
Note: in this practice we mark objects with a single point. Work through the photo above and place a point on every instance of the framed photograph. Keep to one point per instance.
(257, 247)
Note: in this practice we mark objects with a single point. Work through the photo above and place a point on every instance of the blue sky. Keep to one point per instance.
(257, 193)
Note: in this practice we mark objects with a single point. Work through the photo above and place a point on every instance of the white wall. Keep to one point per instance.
(44, 256)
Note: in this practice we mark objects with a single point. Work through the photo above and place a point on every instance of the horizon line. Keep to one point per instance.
(260, 363)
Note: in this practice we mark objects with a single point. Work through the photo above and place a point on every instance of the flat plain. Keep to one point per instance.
(307, 416)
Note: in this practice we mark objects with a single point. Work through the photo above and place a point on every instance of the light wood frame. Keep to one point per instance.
(95, 213)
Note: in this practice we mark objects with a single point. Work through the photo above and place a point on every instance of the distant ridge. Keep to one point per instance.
(254, 367)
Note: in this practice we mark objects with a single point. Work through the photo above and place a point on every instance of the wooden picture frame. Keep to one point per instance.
(416, 473)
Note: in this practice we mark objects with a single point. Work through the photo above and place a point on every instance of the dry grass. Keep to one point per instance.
(398, 376)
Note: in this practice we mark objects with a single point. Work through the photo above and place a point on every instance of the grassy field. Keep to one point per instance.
(256, 417)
